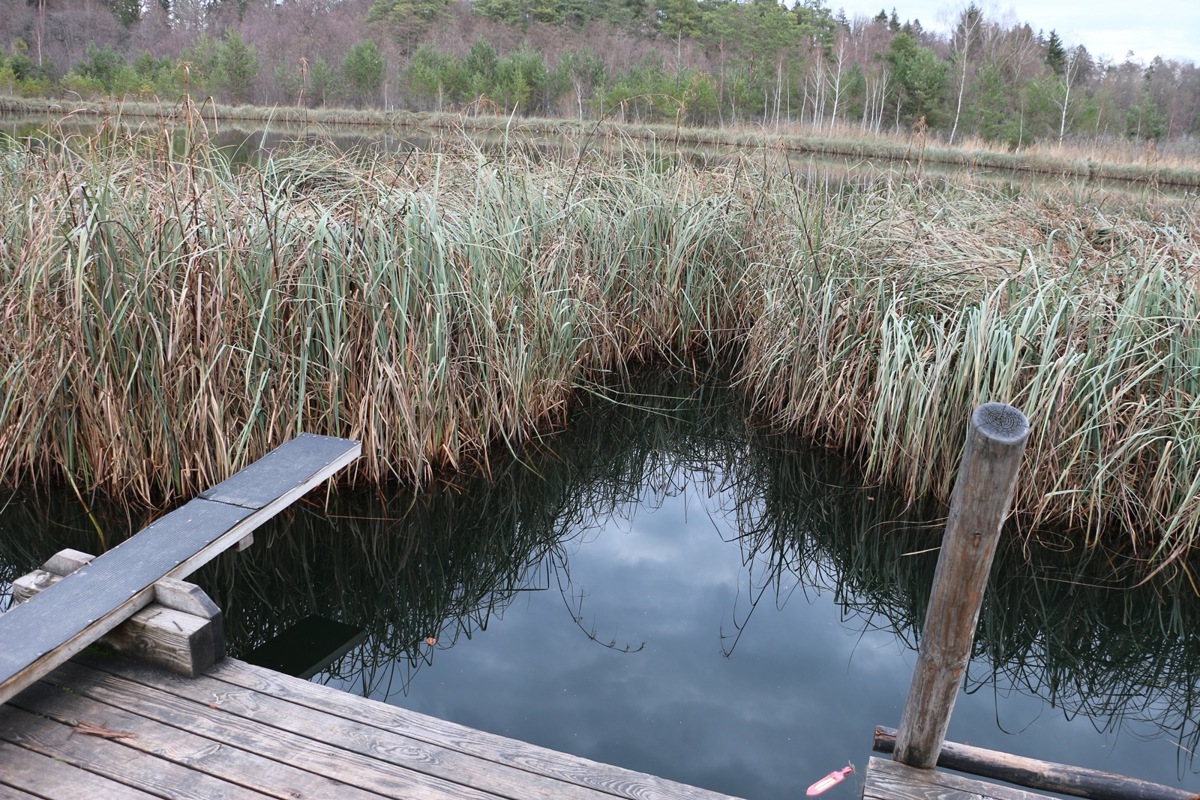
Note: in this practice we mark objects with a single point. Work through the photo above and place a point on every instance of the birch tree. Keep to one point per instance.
(964, 34)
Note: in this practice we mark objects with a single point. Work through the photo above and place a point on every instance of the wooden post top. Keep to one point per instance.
(1000, 423)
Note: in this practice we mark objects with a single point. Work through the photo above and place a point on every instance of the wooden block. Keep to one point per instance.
(181, 631)
(186, 597)
(64, 562)
(27, 586)
(172, 640)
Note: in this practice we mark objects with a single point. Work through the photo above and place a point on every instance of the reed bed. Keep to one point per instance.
(168, 317)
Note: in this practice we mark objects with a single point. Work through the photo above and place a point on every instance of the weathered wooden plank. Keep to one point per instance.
(204, 755)
(572, 773)
(983, 491)
(201, 715)
(10, 793)
(66, 617)
(280, 472)
(110, 758)
(30, 774)
(890, 780)
(1038, 774)
(356, 735)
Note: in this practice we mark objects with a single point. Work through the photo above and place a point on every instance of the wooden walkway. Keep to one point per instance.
(106, 727)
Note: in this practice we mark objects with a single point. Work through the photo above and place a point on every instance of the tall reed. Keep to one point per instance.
(168, 317)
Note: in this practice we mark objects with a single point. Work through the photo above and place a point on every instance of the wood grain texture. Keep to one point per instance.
(185, 597)
(415, 741)
(563, 767)
(172, 640)
(215, 758)
(203, 715)
(43, 776)
(982, 494)
(60, 621)
(114, 760)
(889, 780)
(1044, 775)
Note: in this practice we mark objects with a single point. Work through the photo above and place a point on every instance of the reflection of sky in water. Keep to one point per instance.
(798, 696)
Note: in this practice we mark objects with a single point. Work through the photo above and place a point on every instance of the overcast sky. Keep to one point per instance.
(1170, 28)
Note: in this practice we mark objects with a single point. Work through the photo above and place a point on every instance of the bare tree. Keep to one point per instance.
(1070, 72)
(962, 37)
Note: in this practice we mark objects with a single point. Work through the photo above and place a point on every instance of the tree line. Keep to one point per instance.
(695, 62)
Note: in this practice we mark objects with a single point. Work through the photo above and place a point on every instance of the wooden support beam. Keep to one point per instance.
(76, 611)
(986, 481)
(1044, 775)
(181, 631)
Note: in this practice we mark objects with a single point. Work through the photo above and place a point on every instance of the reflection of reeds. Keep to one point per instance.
(170, 317)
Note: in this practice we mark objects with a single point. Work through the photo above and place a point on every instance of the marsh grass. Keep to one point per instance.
(168, 317)
(1174, 164)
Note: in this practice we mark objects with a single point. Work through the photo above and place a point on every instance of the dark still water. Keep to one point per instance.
(664, 587)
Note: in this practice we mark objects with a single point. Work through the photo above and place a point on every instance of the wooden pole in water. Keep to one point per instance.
(982, 494)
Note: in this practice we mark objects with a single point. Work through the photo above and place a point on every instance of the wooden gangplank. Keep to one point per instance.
(108, 727)
(45, 631)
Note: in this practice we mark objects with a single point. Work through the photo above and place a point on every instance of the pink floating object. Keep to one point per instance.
(832, 779)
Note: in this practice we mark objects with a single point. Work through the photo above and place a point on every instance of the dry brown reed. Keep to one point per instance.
(168, 318)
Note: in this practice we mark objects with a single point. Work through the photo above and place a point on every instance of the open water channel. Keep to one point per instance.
(665, 586)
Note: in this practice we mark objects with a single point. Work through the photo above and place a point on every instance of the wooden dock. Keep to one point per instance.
(112, 728)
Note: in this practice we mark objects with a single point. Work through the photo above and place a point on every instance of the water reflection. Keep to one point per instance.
(666, 587)
(249, 142)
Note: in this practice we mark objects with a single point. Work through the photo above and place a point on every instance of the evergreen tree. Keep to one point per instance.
(322, 82)
(1056, 54)
(127, 11)
(237, 66)
(362, 70)
(678, 18)
(920, 80)
(480, 66)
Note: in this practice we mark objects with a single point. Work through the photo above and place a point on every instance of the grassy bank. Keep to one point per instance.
(168, 318)
(1109, 161)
